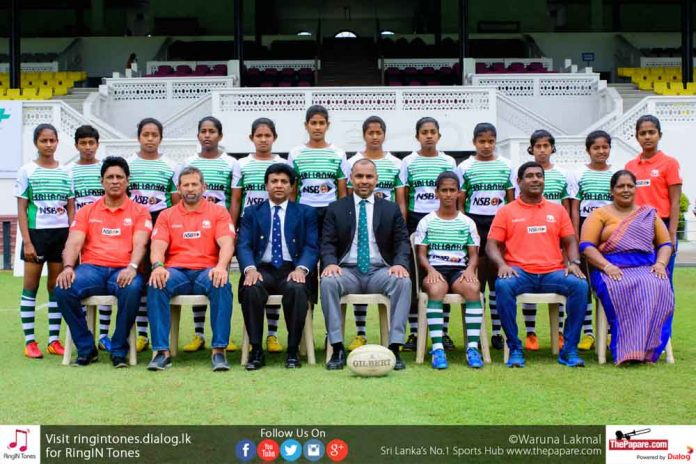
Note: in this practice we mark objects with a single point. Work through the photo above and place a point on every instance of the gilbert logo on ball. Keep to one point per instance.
(371, 361)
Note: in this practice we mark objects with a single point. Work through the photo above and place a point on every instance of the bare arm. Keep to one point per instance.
(570, 247)
(71, 252)
(342, 188)
(23, 222)
(400, 195)
(23, 219)
(575, 215)
(220, 273)
(73, 246)
(140, 239)
(674, 199)
(493, 251)
(422, 253)
(236, 205)
(226, 244)
(473, 258)
(70, 208)
(158, 248)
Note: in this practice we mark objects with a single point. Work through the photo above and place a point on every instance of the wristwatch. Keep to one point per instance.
(575, 261)
(157, 264)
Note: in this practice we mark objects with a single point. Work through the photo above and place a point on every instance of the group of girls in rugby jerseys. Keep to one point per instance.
(448, 214)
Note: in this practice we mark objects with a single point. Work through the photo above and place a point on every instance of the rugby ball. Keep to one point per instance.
(371, 361)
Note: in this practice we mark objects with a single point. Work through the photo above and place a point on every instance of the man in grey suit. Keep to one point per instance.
(364, 249)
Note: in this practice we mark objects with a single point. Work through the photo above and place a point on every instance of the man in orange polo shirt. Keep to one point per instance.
(110, 237)
(532, 230)
(192, 246)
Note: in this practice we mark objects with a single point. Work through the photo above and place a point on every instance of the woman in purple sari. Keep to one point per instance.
(628, 247)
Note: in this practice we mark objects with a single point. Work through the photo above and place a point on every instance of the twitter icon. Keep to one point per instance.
(291, 450)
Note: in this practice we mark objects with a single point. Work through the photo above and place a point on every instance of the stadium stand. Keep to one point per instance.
(40, 85)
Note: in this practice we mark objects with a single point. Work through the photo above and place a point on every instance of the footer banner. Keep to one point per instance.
(620, 444)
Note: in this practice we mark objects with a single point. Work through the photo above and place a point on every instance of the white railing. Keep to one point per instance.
(175, 149)
(542, 85)
(403, 63)
(51, 66)
(152, 66)
(547, 62)
(457, 108)
(183, 123)
(660, 62)
(62, 116)
(156, 88)
(280, 64)
(91, 109)
(667, 109)
(611, 105)
(521, 118)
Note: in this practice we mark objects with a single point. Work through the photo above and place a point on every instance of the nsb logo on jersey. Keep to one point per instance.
(192, 235)
(51, 210)
(487, 201)
(425, 196)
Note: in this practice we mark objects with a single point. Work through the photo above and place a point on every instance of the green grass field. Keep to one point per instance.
(45, 392)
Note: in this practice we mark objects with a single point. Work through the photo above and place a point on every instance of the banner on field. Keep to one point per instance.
(10, 138)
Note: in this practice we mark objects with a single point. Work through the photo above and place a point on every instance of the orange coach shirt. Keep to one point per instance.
(654, 176)
(192, 235)
(109, 234)
(532, 235)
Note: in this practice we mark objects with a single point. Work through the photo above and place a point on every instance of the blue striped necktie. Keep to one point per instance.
(276, 246)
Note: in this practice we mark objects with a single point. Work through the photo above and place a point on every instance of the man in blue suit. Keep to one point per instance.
(277, 248)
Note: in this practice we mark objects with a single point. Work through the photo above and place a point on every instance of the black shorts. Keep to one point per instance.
(450, 273)
(483, 226)
(48, 243)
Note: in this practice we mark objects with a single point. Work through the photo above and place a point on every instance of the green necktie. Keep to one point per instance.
(363, 240)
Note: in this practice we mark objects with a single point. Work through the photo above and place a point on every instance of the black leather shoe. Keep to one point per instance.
(337, 361)
(119, 361)
(293, 361)
(256, 361)
(83, 361)
(399, 365)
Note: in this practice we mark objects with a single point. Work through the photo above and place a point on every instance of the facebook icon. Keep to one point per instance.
(245, 450)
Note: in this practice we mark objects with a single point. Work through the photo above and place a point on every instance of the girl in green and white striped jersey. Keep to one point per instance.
(85, 174)
(447, 246)
(389, 186)
(321, 170)
(487, 184)
(220, 172)
(249, 187)
(151, 184)
(558, 188)
(321, 167)
(592, 192)
(419, 171)
(45, 207)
